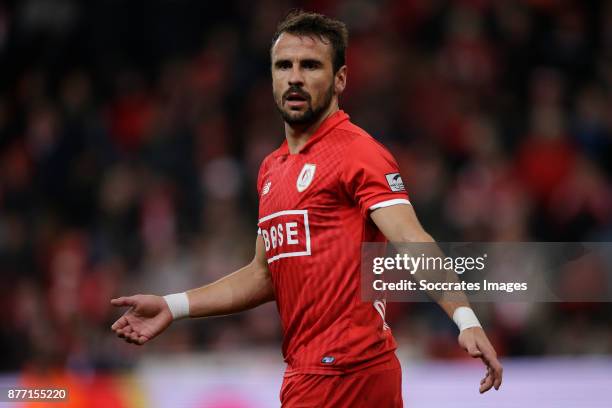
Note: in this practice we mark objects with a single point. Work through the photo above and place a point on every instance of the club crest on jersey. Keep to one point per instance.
(395, 181)
(305, 177)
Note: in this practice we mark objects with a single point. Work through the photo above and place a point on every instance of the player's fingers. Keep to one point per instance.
(488, 355)
(473, 350)
(495, 367)
(133, 336)
(487, 384)
(497, 383)
(122, 333)
(138, 340)
(120, 323)
(124, 301)
(128, 337)
(498, 371)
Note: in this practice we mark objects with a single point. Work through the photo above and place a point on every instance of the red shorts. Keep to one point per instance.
(379, 387)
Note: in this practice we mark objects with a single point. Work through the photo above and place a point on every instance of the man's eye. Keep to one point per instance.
(283, 65)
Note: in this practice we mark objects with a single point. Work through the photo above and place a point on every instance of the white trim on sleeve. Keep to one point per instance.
(389, 203)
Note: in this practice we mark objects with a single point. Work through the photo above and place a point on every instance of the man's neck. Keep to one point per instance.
(298, 135)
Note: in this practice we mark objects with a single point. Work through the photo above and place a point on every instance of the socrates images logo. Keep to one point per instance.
(305, 177)
(395, 181)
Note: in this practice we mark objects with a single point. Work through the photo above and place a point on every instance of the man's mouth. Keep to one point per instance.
(295, 99)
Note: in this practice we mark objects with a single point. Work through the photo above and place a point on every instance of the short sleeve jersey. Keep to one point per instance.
(314, 211)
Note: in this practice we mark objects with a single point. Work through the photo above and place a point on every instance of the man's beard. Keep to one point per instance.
(309, 116)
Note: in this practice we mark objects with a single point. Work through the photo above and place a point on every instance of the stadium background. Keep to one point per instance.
(130, 137)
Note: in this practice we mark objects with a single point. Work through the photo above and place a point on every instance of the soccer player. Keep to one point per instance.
(328, 188)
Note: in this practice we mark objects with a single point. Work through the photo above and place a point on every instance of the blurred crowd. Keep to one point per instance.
(131, 134)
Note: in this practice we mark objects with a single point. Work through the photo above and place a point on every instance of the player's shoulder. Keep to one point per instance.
(358, 140)
(266, 160)
(270, 157)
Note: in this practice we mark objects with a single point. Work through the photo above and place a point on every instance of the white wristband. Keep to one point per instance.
(178, 304)
(465, 318)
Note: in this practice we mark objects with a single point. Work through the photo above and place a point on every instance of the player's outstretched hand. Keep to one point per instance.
(148, 316)
(475, 342)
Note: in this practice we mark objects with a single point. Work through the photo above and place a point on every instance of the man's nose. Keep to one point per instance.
(296, 77)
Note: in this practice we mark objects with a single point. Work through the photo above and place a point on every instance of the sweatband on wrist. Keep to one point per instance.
(178, 303)
(465, 318)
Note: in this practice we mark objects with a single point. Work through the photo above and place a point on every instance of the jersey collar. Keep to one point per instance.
(325, 127)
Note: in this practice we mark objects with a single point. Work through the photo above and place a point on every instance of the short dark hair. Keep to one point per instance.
(299, 22)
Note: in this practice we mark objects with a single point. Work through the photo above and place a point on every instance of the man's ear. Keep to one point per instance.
(340, 80)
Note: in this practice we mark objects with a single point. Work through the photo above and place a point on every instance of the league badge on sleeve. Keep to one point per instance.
(305, 177)
(395, 182)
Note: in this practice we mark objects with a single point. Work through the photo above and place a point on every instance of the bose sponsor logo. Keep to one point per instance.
(285, 234)
(276, 236)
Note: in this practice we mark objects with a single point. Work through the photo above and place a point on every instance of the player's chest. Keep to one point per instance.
(298, 182)
(299, 196)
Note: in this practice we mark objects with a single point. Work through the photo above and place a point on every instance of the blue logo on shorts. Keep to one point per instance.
(328, 359)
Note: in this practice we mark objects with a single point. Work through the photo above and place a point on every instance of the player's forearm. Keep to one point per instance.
(454, 302)
(244, 289)
(449, 301)
(398, 233)
(400, 226)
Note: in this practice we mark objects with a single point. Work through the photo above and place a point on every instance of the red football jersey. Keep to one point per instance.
(313, 216)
